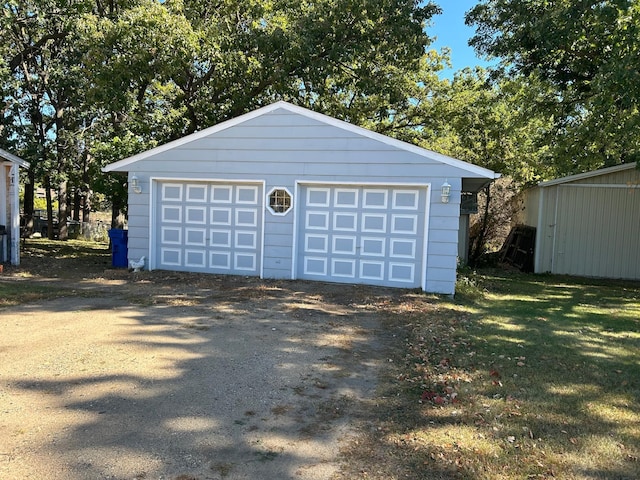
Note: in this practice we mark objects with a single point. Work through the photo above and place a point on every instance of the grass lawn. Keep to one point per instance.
(70, 260)
(519, 377)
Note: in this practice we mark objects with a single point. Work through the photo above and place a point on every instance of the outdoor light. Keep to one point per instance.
(445, 192)
(135, 186)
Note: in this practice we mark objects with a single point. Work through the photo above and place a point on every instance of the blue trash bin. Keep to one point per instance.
(119, 252)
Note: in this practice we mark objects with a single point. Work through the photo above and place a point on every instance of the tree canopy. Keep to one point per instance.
(579, 60)
(88, 81)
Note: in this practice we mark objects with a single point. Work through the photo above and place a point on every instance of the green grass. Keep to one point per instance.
(43, 259)
(519, 377)
(15, 294)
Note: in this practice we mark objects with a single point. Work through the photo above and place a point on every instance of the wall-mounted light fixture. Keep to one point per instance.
(135, 185)
(445, 192)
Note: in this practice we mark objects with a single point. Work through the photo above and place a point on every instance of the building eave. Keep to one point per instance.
(586, 175)
(13, 159)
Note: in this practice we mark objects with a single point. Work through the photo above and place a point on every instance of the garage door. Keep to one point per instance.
(373, 235)
(209, 227)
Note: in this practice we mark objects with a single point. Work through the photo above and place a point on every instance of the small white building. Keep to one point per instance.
(10, 207)
(587, 224)
(284, 192)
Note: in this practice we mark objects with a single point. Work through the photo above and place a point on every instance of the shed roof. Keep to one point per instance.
(12, 158)
(473, 170)
(583, 176)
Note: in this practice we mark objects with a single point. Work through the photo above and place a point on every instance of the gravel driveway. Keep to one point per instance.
(185, 379)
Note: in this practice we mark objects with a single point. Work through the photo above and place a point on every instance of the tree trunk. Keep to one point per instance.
(47, 192)
(63, 211)
(29, 193)
(117, 217)
(86, 189)
(478, 244)
(77, 199)
(86, 206)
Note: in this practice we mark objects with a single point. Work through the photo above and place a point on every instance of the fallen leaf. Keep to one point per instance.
(428, 395)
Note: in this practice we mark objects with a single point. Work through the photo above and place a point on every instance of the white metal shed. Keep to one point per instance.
(285, 192)
(10, 207)
(587, 224)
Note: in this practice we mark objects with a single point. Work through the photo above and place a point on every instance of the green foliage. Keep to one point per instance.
(87, 82)
(483, 122)
(41, 204)
(579, 62)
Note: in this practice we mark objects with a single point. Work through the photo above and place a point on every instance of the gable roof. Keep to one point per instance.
(583, 176)
(472, 169)
(12, 158)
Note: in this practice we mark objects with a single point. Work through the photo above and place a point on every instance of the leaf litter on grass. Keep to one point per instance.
(525, 377)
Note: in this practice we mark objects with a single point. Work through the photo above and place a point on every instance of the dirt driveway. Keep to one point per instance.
(171, 376)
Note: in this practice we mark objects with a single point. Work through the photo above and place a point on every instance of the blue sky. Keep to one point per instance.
(450, 30)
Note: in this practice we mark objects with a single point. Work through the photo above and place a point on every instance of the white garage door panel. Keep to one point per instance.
(362, 234)
(213, 227)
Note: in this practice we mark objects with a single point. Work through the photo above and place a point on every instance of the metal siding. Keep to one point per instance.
(278, 241)
(545, 234)
(278, 267)
(445, 223)
(442, 261)
(437, 249)
(442, 286)
(530, 208)
(301, 131)
(293, 144)
(623, 177)
(138, 221)
(598, 231)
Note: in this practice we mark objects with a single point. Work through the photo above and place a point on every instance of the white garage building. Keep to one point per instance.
(284, 192)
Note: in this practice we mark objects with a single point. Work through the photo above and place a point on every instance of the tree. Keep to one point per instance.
(486, 123)
(579, 60)
(163, 70)
(44, 93)
(88, 82)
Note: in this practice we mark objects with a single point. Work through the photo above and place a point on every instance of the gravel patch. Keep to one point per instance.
(125, 379)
